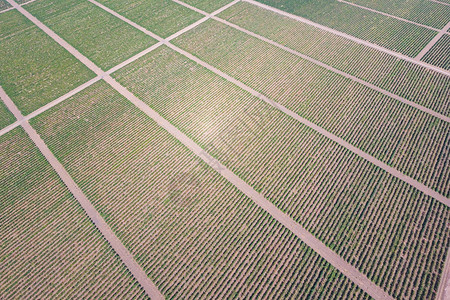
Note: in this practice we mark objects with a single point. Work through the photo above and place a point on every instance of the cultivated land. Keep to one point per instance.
(252, 140)
(158, 198)
(162, 17)
(34, 69)
(249, 153)
(49, 247)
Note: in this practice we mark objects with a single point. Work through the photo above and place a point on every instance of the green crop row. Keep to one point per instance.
(385, 31)
(343, 200)
(100, 36)
(420, 11)
(410, 140)
(49, 248)
(162, 17)
(439, 55)
(194, 233)
(35, 70)
(408, 80)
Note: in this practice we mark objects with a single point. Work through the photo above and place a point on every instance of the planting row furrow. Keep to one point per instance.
(193, 232)
(317, 182)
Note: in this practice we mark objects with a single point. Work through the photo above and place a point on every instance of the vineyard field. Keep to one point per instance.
(439, 54)
(34, 78)
(50, 249)
(162, 17)
(420, 11)
(192, 231)
(397, 134)
(101, 37)
(343, 200)
(208, 5)
(413, 82)
(385, 31)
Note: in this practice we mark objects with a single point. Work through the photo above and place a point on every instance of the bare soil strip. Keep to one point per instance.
(432, 42)
(352, 38)
(92, 213)
(388, 15)
(334, 259)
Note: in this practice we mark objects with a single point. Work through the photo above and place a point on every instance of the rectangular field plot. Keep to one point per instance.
(420, 11)
(208, 5)
(162, 17)
(100, 36)
(390, 231)
(439, 54)
(6, 117)
(34, 69)
(408, 80)
(399, 135)
(385, 31)
(193, 232)
(49, 248)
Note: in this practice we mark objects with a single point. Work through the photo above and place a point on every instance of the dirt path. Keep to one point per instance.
(432, 42)
(388, 15)
(352, 38)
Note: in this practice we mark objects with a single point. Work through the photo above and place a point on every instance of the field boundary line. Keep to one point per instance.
(350, 37)
(444, 286)
(388, 15)
(126, 257)
(432, 42)
(337, 71)
(321, 249)
(334, 259)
